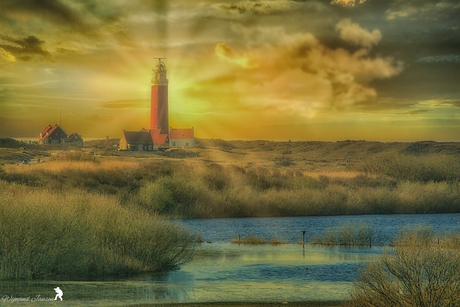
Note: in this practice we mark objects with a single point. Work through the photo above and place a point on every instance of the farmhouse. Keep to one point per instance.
(52, 135)
(136, 140)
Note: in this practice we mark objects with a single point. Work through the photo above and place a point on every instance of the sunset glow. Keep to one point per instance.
(265, 69)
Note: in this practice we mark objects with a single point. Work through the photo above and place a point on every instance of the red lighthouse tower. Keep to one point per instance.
(159, 122)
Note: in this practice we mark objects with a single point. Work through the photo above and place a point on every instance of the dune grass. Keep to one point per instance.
(78, 234)
(208, 190)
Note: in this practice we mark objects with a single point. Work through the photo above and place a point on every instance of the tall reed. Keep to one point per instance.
(78, 234)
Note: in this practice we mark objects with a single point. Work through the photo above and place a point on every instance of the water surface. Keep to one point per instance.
(222, 272)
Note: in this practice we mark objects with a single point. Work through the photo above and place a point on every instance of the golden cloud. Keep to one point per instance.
(296, 73)
(6, 57)
(353, 33)
(245, 60)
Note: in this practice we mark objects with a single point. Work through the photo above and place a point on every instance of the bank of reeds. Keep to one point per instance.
(422, 270)
(195, 190)
(75, 234)
(254, 240)
(347, 234)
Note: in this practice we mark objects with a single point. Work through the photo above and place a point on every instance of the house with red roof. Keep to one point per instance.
(52, 135)
(75, 139)
(181, 137)
(55, 135)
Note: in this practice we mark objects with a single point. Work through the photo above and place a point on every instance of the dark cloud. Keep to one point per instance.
(55, 11)
(423, 9)
(415, 112)
(23, 48)
(452, 58)
(83, 16)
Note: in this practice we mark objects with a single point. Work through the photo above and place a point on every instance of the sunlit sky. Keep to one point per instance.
(255, 69)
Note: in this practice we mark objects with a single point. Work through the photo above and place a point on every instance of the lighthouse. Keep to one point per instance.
(159, 136)
(159, 121)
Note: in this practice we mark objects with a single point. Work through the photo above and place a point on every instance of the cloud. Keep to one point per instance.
(422, 9)
(6, 57)
(125, 104)
(100, 118)
(84, 16)
(244, 60)
(347, 2)
(450, 58)
(23, 48)
(257, 7)
(416, 112)
(297, 73)
(353, 33)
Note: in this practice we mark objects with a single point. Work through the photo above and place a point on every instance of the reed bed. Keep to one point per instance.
(254, 240)
(78, 234)
(347, 234)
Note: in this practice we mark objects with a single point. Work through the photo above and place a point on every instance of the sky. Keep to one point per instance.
(319, 70)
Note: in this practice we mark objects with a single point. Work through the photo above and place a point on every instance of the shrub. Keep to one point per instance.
(421, 271)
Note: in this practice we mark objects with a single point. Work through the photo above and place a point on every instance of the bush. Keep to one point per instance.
(421, 271)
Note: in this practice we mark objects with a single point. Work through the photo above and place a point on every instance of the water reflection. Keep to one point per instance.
(219, 272)
(230, 272)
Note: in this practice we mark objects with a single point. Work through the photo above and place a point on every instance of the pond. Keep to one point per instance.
(221, 271)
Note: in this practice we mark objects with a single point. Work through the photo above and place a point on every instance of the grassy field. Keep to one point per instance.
(107, 200)
(258, 178)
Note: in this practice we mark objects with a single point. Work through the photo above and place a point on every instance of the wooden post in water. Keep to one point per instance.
(239, 240)
(370, 241)
(303, 237)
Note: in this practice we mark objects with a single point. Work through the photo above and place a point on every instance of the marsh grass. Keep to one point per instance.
(347, 234)
(422, 270)
(82, 235)
(254, 240)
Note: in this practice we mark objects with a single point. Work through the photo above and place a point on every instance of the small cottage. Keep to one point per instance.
(75, 139)
(181, 137)
(52, 135)
(136, 140)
